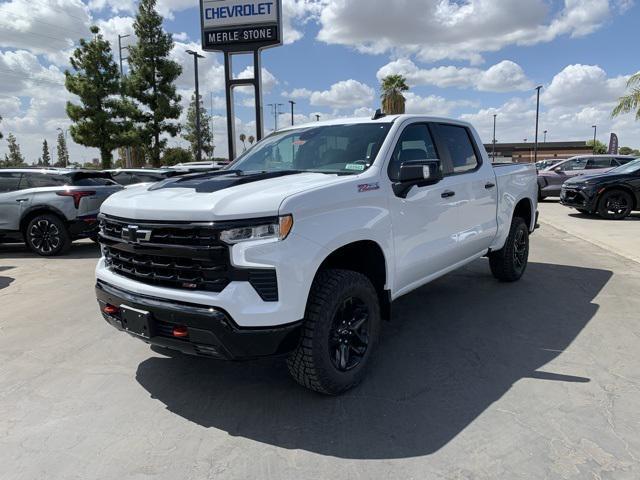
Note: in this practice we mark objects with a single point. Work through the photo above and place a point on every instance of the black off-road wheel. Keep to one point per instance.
(47, 235)
(341, 328)
(509, 263)
(615, 205)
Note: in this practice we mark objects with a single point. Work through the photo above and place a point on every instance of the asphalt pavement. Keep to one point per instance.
(473, 379)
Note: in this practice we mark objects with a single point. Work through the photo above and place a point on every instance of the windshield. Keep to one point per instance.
(630, 167)
(341, 149)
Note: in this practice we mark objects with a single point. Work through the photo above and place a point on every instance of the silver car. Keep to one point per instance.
(49, 208)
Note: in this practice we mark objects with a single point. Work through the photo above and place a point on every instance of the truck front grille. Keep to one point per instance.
(183, 256)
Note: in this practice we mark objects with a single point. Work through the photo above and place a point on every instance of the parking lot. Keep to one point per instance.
(473, 379)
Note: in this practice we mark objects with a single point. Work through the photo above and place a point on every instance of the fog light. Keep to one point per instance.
(180, 332)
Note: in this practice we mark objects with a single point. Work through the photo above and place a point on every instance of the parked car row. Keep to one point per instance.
(49, 208)
(606, 185)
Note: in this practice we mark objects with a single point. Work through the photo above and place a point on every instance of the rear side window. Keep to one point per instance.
(9, 181)
(623, 160)
(93, 181)
(415, 143)
(148, 177)
(457, 141)
(604, 162)
(123, 178)
(39, 180)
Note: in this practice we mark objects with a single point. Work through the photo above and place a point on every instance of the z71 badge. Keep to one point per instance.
(367, 187)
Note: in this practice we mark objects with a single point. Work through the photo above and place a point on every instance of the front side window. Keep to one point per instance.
(341, 149)
(415, 143)
(575, 164)
(9, 181)
(457, 141)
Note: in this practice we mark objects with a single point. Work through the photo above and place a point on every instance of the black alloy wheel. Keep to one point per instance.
(615, 205)
(47, 235)
(349, 335)
(520, 249)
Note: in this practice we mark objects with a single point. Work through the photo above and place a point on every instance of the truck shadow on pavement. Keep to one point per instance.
(453, 348)
(5, 281)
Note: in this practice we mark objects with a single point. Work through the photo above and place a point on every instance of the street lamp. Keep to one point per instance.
(595, 132)
(196, 56)
(292, 104)
(317, 118)
(493, 153)
(545, 136)
(535, 148)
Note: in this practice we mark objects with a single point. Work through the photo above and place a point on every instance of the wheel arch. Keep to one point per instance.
(366, 257)
(36, 210)
(524, 210)
(624, 188)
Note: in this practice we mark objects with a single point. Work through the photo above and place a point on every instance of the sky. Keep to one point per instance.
(467, 59)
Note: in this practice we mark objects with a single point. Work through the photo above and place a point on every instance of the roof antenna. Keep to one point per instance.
(377, 115)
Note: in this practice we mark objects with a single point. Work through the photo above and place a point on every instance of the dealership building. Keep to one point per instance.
(524, 152)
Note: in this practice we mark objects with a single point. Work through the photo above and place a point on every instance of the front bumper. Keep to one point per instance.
(584, 199)
(211, 331)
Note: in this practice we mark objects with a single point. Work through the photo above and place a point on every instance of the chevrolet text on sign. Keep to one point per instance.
(229, 23)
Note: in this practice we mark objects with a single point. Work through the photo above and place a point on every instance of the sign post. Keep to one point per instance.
(241, 27)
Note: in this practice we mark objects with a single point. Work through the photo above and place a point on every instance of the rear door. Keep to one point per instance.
(12, 201)
(597, 165)
(474, 185)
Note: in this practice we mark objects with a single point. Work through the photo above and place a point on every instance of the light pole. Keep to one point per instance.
(317, 118)
(545, 136)
(493, 153)
(595, 133)
(292, 104)
(64, 133)
(275, 108)
(196, 56)
(535, 148)
(120, 49)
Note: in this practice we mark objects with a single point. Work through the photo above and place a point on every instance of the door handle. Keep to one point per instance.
(20, 200)
(489, 185)
(447, 194)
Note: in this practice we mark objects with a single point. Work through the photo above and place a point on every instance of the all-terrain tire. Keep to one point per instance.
(315, 363)
(509, 263)
(47, 235)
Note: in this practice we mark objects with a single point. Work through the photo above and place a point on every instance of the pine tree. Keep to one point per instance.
(15, 158)
(190, 130)
(62, 151)
(46, 156)
(100, 119)
(151, 80)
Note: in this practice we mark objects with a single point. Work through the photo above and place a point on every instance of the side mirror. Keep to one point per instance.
(417, 172)
(558, 169)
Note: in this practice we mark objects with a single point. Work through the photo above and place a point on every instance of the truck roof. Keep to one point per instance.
(381, 120)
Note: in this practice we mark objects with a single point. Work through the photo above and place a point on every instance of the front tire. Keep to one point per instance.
(341, 328)
(47, 235)
(615, 205)
(509, 263)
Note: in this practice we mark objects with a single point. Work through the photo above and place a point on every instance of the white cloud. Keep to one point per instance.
(43, 27)
(455, 29)
(269, 81)
(298, 93)
(432, 104)
(502, 77)
(345, 94)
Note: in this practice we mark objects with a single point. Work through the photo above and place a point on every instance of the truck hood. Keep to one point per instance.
(222, 195)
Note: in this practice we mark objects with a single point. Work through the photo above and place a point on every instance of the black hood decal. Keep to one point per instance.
(210, 182)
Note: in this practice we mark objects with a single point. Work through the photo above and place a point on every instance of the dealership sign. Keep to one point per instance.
(240, 25)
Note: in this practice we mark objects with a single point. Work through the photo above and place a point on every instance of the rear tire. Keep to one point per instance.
(341, 328)
(510, 263)
(615, 205)
(47, 235)
(583, 211)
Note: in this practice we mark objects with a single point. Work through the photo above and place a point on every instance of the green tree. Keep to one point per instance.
(1, 136)
(45, 159)
(629, 151)
(190, 131)
(15, 158)
(393, 102)
(600, 148)
(631, 101)
(251, 139)
(61, 151)
(151, 80)
(100, 120)
(175, 155)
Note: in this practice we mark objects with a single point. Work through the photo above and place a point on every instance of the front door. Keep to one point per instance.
(12, 201)
(425, 222)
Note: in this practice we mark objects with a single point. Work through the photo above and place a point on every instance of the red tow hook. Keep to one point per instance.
(180, 332)
(111, 310)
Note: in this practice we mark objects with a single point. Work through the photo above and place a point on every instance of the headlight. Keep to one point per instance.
(279, 230)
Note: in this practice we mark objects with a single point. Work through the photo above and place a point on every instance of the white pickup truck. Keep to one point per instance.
(301, 245)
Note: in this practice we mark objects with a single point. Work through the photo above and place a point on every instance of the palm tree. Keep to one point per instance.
(393, 102)
(243, 138)
(630, 102)
(251, 139)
